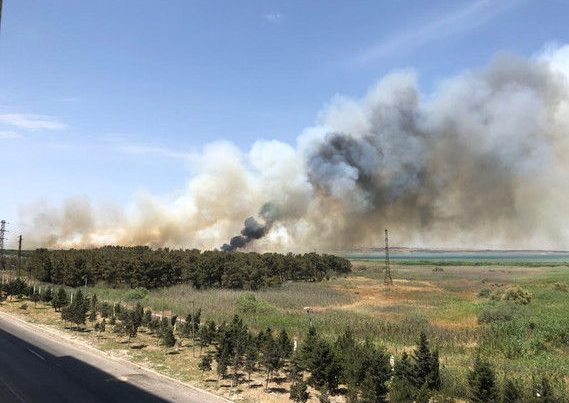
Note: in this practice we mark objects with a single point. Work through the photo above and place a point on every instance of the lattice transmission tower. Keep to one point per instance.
(387, 279)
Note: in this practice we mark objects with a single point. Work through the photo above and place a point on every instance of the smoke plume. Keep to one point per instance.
(481, 162)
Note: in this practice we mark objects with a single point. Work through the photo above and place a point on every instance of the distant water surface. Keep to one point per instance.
(473, 257)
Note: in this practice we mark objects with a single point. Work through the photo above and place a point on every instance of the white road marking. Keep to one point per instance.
(36, 354)
(16, 394)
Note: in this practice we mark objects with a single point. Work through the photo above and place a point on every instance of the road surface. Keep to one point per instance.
(39, 367)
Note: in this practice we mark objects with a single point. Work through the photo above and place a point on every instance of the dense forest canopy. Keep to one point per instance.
(145, 267)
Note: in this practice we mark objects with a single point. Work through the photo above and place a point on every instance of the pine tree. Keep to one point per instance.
(138, 315)
(271, 357)
(197, 321)
(251, 358)
(324, 367)
(482, 382)
(308, 347)
(93, 309)
(299, 393)
(512, 393)
(76, 312)
(284, 344)
(168, 338)
(106, 310)
(131, 324)
(434, 377)
(422, 358)
(60, 299)
(403, 385)
(147, 318)
(205, 363)
(47, 294)
(375, 364)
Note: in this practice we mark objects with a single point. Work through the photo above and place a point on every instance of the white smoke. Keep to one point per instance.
(479, 163)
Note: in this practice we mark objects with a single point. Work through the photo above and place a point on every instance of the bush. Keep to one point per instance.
(136, 294)
(497, 313)
(484, 293)
(517, 295)
(561, 287)
(249, 304)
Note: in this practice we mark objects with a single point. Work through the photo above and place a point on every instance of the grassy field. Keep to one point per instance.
(445, 302)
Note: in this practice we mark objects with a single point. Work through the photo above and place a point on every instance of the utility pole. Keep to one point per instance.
(193, 328)
(19, 253)
(2, 238)
(387, 278)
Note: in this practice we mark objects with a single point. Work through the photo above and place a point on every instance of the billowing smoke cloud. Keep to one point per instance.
(252, 229)
(479, 163)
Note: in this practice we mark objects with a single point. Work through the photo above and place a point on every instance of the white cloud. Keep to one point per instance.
(273, 18)
(8, 135)
(458, 20)
(31, 122)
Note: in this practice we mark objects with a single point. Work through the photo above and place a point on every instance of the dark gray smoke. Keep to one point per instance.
(253, 229)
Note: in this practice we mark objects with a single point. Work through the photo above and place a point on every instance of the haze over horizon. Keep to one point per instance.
(448, 124)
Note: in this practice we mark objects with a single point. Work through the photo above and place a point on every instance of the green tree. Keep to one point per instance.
(147, 318)
(375, 363)
(131, 324)
(76, 312)
(251, 358)
(299, 392)
(308, 347)
(284, 344)
(93, 309)
(168, 338)
(324, 367)
(46, 294)
(60, 299)
(271, 357)
(403, 384)
(482, 382)
(205, 363)
(426, 367)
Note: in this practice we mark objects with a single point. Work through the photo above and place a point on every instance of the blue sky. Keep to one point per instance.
(102, 99)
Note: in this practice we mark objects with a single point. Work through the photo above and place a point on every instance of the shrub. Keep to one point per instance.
(136, 294)
(497, 313)
(517, 295)
(249, 304)
(484, 293)
(561, 286)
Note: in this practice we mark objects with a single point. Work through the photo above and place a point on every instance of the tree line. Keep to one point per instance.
(144, 267)
(360, 370)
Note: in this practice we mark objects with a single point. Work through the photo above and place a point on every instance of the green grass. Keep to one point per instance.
(443, 304)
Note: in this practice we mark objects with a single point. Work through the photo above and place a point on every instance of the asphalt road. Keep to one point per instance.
(39, 367)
